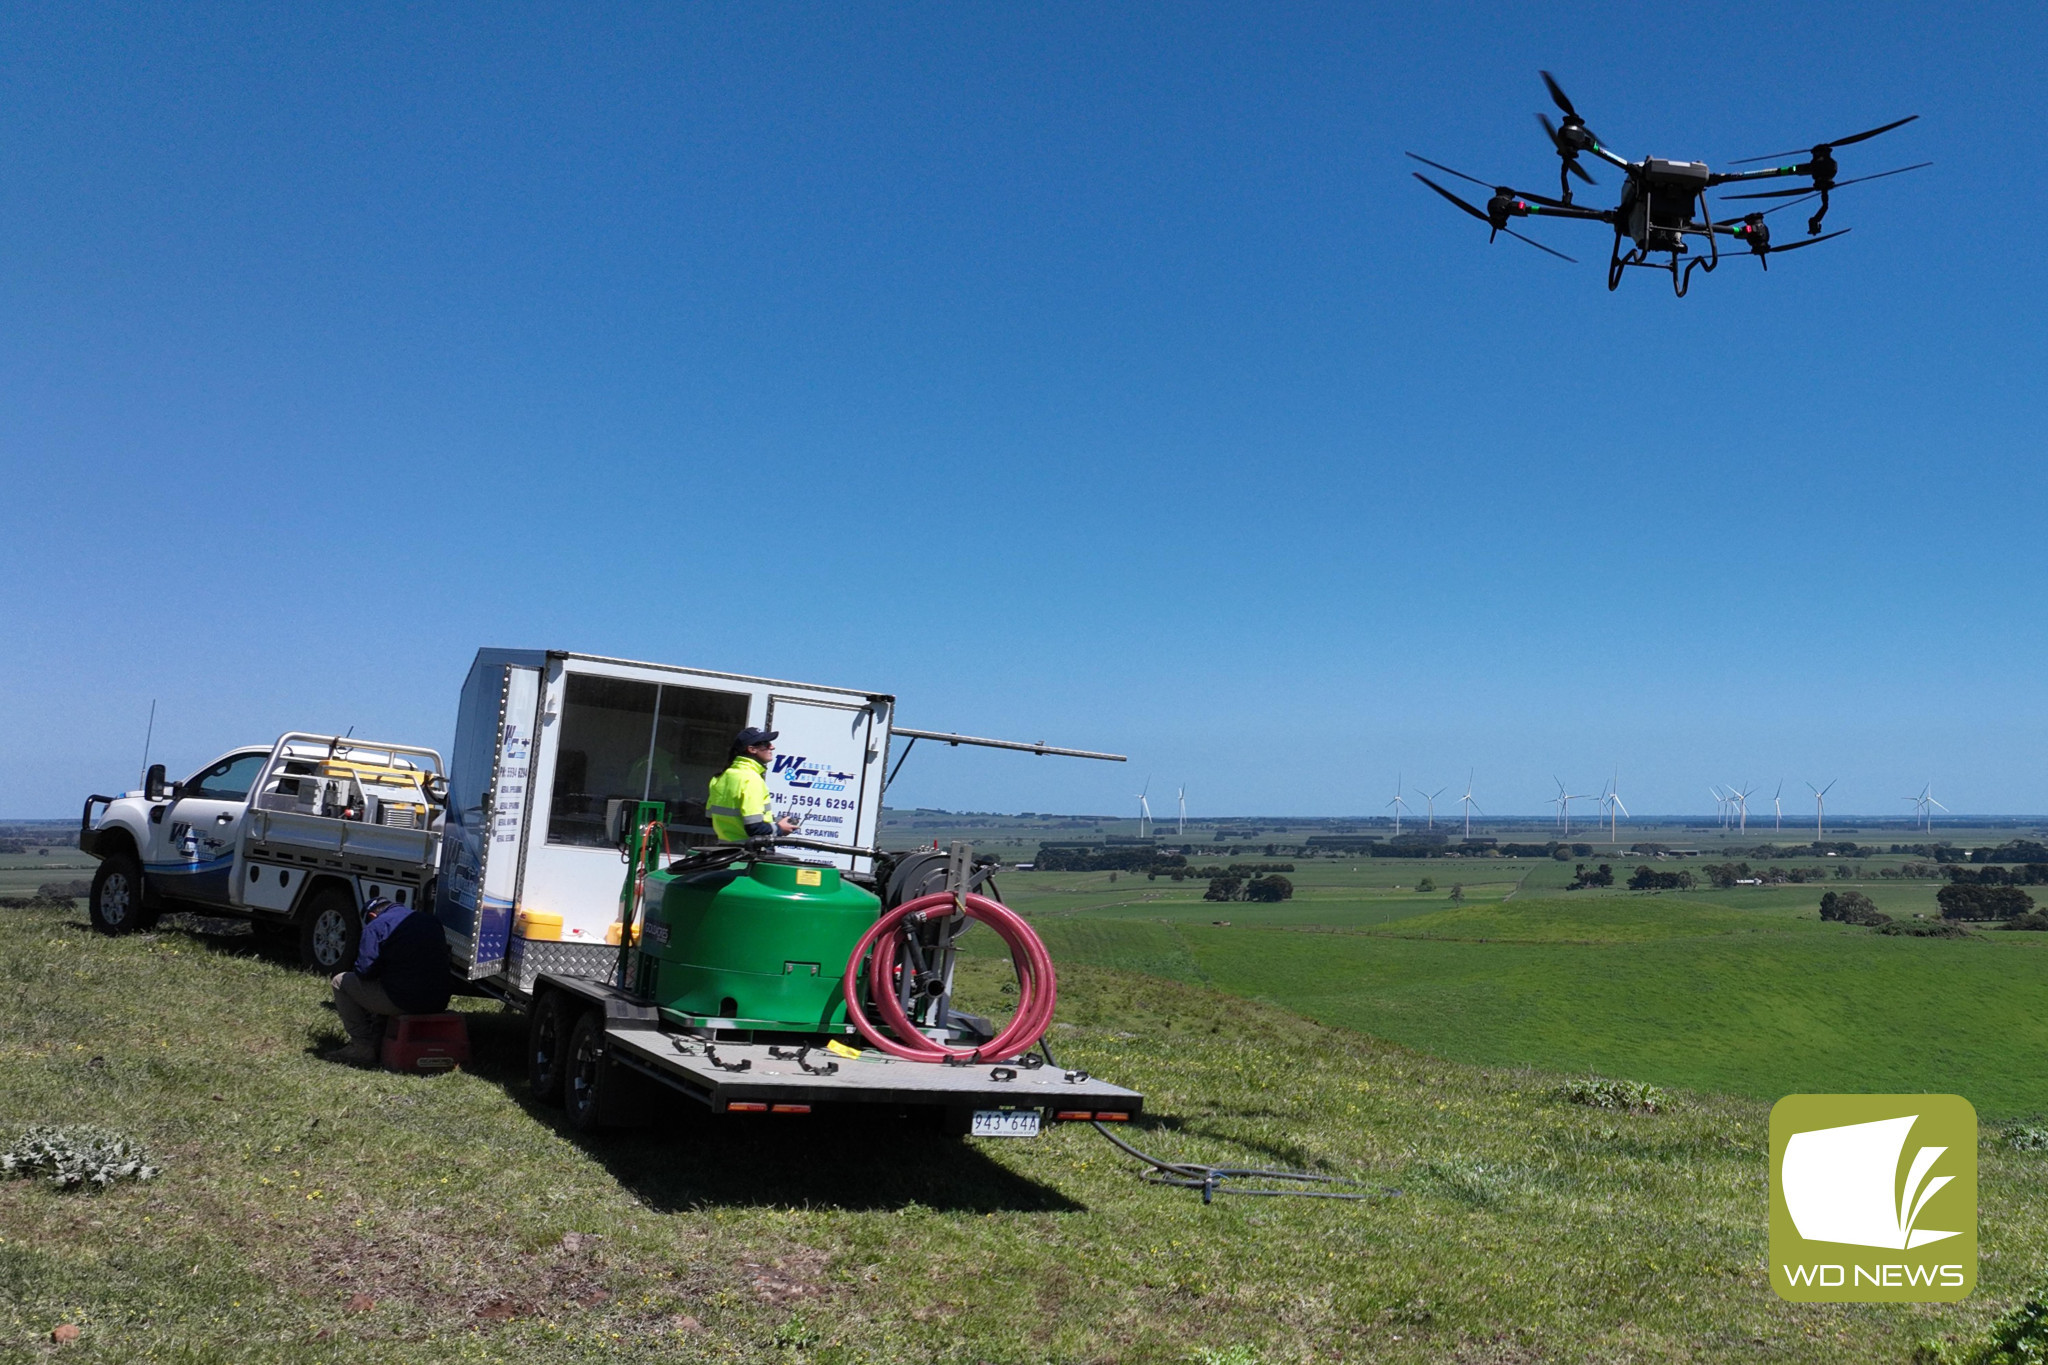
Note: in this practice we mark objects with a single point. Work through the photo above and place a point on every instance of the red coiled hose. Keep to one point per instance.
(1037, 990)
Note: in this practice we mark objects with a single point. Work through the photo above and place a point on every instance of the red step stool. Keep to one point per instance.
(426, 1042)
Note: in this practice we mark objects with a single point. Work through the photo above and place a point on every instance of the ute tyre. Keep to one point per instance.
(330, 927)
(589, 1080)
(118, 900)
(547, 1044)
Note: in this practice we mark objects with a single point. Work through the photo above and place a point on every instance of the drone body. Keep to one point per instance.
(1664, 203)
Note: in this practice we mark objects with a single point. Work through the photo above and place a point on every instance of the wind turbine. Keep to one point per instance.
(1922, 807)
(1612, 800)
(1564, 801)
(1431, 797)
(1144, 810)
(1720, 805)
(1778, 817)
(1469, 804)
(1183, 827)
(1820, 808)
(1397, 803)
(1741, 800)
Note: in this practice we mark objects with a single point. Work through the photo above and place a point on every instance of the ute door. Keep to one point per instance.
(820, 770)
(193, 848)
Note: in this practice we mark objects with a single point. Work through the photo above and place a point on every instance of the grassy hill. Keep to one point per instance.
(310, 1213)
(1742, 990)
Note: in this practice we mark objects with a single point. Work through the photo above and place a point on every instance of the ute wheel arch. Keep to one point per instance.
(330, 925)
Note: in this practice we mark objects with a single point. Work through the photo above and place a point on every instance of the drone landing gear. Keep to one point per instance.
(1681, 275)
(1813, 223)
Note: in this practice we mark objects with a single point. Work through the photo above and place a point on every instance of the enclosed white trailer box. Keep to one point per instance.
(549, 743)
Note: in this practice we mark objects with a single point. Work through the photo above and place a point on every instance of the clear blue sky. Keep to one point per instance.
(1086, 373)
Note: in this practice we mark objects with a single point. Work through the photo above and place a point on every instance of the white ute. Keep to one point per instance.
(294, 837)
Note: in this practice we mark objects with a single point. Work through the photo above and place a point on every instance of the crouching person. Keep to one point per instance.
(401, 968)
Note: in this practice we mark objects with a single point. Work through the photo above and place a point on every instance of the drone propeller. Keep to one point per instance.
(1810, 241)
(1496, 227)
(1570, 139)
(1557, 95)
(1820, 150)
(1497, 189)
(1570, 154)
(1805, 190)
(1757, 234)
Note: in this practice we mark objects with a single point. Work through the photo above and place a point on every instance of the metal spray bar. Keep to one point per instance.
(1029, 748)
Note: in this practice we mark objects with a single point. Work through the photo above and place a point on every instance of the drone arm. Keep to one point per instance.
(1765, 173)
(1571, 211)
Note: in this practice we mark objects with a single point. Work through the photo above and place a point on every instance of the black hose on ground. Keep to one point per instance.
(1189, 1175)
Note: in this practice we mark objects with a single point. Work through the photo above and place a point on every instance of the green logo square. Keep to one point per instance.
(1873, 1198)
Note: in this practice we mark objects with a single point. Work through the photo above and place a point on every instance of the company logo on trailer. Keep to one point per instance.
(797, 771)
(1873, 1198)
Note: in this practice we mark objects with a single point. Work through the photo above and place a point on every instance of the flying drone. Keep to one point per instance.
(1663, 203)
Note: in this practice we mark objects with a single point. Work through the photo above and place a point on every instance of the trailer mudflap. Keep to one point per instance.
(722, 1075)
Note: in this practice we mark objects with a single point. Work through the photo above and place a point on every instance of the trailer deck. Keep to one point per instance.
(755, 1077)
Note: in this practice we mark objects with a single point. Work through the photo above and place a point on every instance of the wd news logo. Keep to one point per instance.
(1873, 1198)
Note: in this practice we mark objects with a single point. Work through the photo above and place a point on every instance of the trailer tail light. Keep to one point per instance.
(746, 1107)
(1073, 1114)
(790, 1109)
(1101, 1117)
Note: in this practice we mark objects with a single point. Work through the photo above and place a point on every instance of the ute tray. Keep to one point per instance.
(635, 1038)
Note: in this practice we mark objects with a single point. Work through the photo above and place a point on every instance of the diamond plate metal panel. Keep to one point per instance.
(528, 958)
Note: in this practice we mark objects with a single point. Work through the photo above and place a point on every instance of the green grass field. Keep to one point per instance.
(312, 1213)
(1741, 990)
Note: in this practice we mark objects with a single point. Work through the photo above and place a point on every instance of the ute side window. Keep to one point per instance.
(229, 779)
(624, 740)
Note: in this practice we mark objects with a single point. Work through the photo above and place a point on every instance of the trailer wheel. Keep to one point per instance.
(546, 1048)
(329, 928)
(588, 1076)
(118, 904)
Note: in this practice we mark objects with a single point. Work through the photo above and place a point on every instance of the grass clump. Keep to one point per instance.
(2017, 1337)
(1639, 1097)
(1925, 928)
(76, 1158)
(2025, 1135)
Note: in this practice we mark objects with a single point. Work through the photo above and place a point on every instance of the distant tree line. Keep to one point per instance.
(1725, 875)
(1269, 888)
(1648, 878)
(1239, 870)
(2025, 874)
(1602, 875)
(1966, 900)
(1121, 858)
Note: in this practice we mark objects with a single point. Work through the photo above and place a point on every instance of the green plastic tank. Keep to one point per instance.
(761, 944)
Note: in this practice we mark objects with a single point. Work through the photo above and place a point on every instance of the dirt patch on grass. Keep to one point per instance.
(790, 1278)
(438, 1271)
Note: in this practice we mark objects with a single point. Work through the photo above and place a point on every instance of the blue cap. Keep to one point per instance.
(750, 737)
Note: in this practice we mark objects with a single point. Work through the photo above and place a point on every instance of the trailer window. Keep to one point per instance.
(623, 740)
(692, 745)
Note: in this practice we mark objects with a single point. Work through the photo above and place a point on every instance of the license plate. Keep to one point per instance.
(1005, 1123)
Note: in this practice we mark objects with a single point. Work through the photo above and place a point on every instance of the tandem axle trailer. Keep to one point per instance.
(718, 972)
